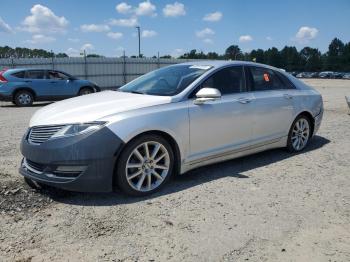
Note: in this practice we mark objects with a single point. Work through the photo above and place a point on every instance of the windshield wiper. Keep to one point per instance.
(137, 92)
(133, 92)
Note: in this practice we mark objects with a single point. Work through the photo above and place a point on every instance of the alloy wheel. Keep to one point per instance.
(147, 166)
(300, 134)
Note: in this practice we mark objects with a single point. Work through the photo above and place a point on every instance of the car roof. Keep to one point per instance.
(25, 69)
(222, 63)
(15, 70)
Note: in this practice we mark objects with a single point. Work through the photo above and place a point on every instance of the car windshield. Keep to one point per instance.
(167, 81)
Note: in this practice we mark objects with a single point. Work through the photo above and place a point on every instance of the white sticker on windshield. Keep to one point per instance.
(203, 67)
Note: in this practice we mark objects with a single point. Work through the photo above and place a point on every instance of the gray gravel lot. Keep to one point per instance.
(272, 206)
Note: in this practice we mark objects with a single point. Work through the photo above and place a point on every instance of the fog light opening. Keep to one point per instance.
(70, 169)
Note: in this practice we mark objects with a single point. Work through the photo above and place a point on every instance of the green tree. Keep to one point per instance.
(273, 57)
(311, 59)
(213, 55)
(257, 56)
(290, 58)
(61, 55)
(335, 55)
(233, 52)
(346, 57)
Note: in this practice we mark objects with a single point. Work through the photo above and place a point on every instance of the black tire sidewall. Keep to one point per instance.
(122, 160)
(16, 101)
(85, 88)
(289, 142)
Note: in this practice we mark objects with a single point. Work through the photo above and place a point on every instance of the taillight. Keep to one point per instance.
(3, 79)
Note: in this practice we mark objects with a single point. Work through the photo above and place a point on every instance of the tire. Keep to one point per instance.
(299, 134)
(85, 91)
(145, 175)
(24, 98)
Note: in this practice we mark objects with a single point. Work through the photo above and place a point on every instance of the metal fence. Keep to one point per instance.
(106, 72)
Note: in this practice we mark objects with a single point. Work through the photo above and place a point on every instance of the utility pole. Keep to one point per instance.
(138, 31)
(52, 61)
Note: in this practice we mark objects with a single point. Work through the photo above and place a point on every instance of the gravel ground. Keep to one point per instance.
(271, 206)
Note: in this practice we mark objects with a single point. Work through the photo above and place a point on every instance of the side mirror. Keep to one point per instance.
(207, 94)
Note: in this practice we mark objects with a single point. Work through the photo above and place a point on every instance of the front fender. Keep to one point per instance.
(170, 118)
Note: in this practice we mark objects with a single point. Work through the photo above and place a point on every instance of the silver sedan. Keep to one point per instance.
(168, 122)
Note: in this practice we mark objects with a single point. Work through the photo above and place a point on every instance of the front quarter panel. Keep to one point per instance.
(170, 118)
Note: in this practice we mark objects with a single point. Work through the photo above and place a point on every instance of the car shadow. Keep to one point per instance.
(231, 168)
(33, 105)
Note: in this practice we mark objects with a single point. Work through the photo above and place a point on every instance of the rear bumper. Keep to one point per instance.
(318, 120)
(83, 163)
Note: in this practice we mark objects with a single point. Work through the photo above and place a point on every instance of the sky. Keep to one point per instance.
(107, 27)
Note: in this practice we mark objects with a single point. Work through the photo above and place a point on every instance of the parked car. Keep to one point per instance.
(326, 74)
(305, 75)
(346, 76)
(166, 122)
(338, 75)
(24, 86)
(314, 74)
(294, 73)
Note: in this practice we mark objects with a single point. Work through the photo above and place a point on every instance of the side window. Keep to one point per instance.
(265, 79)
(57, 75)
(35, 74)
(228, 80)
(287, 83)
(19, 74)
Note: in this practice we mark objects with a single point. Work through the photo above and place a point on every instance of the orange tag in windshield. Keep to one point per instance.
(266, 77)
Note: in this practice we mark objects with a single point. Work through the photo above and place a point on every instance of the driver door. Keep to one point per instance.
(225, 124)
(60, 85)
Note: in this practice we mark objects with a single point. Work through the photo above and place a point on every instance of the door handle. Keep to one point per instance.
(53, 82)
(287, 96)
(244, 100)
(28, 81)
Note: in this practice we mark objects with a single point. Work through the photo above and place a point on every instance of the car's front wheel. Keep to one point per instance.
(23, 98)
(299, 134)
(145, 165)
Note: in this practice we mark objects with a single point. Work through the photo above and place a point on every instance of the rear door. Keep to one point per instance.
(36, 80)
(273, 102)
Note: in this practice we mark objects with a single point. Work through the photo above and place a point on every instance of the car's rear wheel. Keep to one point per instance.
(24, 98)
(299, 134)
(145, 165)
(85, 91)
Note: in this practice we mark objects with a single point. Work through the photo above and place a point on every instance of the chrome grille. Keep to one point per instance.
(40, 134)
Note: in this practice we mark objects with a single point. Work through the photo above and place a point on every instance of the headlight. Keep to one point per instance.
(77, 129)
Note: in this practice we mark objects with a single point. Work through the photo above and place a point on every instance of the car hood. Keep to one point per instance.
(93, 107)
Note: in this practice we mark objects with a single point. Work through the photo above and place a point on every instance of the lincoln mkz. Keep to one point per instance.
(168, 122)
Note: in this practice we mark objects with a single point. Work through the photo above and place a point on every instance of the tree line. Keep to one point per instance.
(337, 58)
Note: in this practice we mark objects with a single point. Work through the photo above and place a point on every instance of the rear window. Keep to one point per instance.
(287, 83)
(19, 74)
(35, 74)
(264, 79)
